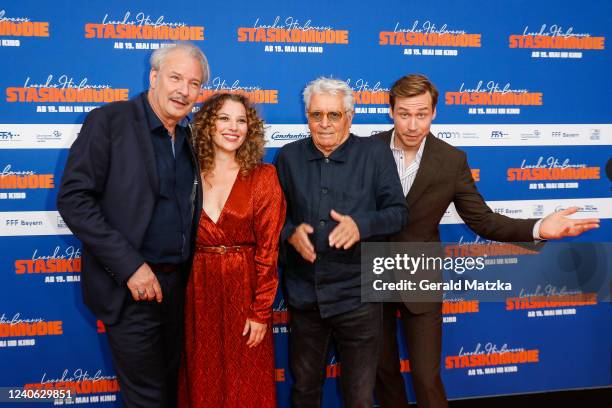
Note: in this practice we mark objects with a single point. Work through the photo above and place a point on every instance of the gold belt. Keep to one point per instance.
(222, 249)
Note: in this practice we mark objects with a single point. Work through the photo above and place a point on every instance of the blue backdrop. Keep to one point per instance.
(522, 85)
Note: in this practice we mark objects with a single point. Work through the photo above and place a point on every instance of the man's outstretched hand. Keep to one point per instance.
(558, 225)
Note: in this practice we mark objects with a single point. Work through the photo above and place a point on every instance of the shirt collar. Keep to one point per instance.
(339, 155)
(419, 153)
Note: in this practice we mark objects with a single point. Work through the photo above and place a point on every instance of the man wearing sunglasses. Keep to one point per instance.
(340, 190)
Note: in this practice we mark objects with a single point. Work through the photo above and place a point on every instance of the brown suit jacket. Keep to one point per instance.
(444, 177)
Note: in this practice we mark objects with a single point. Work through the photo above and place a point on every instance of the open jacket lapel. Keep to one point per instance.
(146, 144)
(197, 201)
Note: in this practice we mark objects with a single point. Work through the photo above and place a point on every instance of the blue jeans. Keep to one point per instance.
(357, 336)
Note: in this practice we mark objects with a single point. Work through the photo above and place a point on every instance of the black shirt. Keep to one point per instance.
(167, 239)
(358, 179)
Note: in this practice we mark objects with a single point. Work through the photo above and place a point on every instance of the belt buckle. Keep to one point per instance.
(223, 249)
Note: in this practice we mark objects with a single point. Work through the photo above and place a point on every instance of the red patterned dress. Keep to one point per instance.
(225, 289)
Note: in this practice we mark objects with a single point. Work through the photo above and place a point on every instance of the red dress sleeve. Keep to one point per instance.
(269, 217)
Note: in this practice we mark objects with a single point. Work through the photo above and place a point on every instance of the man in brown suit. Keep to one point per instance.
(435, 174)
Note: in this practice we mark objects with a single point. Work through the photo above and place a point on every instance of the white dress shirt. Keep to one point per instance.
(407, 172)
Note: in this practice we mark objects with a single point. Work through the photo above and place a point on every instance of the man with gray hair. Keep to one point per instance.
(131, 193)
(340, 190)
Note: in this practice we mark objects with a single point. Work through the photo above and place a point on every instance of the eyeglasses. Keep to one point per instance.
(333, 116)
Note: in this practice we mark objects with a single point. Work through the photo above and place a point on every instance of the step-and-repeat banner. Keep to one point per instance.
(524, 86)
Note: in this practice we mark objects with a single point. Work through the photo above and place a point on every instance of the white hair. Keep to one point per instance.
(323, 85)
(159, 56)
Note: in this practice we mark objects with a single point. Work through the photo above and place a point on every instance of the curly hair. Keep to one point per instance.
(248, 155)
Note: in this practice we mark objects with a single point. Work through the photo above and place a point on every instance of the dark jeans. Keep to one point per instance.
(357, 335)
(146, 346)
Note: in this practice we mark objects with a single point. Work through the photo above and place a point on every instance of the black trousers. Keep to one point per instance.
(146, 345)
(423, 333)
(357, 339)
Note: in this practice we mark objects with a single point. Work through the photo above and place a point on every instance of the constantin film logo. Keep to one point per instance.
(291, 35)
(288, 136)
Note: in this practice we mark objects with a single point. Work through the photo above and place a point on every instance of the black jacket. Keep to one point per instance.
(107, 196)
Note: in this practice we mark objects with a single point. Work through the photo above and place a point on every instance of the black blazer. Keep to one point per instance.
(107, 196)
(444, 177)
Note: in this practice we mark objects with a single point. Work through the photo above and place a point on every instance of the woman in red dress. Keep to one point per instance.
(229, 359)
